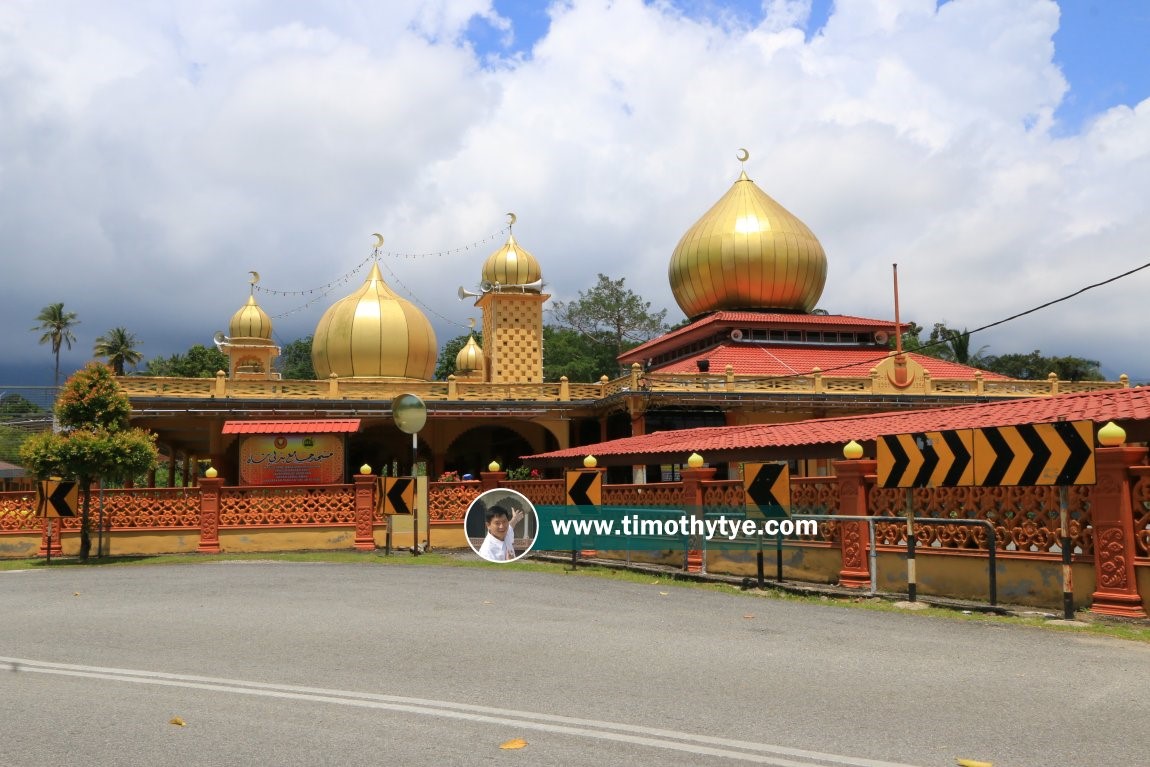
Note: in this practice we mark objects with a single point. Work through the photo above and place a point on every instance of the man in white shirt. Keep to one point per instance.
(499, 545)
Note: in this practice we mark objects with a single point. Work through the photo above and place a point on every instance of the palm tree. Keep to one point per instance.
(118, 346)
(57, 325)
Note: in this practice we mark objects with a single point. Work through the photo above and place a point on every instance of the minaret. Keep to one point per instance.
(512, 305)
(249, 346)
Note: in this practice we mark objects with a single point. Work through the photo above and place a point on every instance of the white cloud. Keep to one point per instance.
(151, 154)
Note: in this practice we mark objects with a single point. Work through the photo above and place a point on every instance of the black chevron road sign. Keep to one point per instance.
(1060, 453)
(584, 488)
(57, 498)
(767, 488)
(398, 495)
(926, 459)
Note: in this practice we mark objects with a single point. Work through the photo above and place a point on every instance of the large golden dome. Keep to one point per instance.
(374, 333)
(250, 322)
(511, 265)
(747, 252)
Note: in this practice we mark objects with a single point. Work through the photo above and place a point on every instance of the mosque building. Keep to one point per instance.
(756, 349)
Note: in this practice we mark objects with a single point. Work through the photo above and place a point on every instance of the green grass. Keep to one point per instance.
(1138, 631)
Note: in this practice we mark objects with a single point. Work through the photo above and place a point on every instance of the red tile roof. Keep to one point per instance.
(846, 361)
(760, 319)
(325, 426)
(1127, 407)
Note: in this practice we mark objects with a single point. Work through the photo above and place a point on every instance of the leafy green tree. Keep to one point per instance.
(199, 362)
(583, 358)
(1036, 366)
(56, 326)
(942, 342)
(445, 365)
(611, 314)
(295, 360)
(96, 441)
(118, 347)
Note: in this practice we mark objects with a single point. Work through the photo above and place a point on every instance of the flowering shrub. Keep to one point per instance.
(522, 472)
(449, 476)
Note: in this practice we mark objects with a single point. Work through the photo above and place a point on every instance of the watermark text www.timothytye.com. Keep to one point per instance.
(720, 528)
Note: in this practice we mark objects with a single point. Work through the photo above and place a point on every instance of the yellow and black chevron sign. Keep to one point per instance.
(926, 459)
(767, 488)
(397, 495)
(1059, 453)
(585, 488)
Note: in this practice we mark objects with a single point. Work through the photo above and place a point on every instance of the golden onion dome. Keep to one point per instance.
(511, 265)
(470, 358)
(374, 333)
(250, 322)
(747, 252)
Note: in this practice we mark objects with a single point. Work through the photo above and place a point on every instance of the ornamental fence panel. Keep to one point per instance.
(287, 505)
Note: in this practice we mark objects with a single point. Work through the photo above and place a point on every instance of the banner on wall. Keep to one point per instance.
(292, 459)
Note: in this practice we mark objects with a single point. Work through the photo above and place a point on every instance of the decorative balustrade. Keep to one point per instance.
(661, 494)
(1140, 500)
(1027, 520)
(723, 495)
(287, 505)
(478, 391)
(447, 502)
(18, 513)
(142, 508)
(542, 492)
(817, 495)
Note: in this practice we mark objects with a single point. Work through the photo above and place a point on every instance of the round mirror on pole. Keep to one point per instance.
(410, 415)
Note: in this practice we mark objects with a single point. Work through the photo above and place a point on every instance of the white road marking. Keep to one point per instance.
(760, 753)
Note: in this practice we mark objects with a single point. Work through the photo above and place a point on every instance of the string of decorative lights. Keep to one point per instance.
(324, 290)
(452, 251)
(343, 279)
(415, 298)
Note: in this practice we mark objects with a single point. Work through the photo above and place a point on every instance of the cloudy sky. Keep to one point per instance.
(152, 153)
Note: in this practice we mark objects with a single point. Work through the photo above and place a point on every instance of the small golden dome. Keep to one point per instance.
(747, 252)
(511, 265)
(250, 322)
(374, 333)
(470, 358)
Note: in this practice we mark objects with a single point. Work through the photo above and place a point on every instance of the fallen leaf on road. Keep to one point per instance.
(75, 593)
(663, 593)
(972, 763)
(178, 722)
(487, 601)
(748, 616)
(514, 743)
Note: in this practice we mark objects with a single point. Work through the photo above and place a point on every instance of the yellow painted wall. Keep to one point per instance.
(1031, 582)
(802, 563)
(127, 543)
(19, 546)
(247, 540)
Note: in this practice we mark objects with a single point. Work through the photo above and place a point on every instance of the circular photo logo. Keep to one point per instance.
(501, 525)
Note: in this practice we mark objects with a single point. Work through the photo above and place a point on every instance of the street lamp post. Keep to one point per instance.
(410, 414)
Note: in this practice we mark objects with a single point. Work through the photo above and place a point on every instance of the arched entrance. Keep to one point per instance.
(471, 451)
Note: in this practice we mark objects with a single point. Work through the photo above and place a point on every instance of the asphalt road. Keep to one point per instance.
(325, 664)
